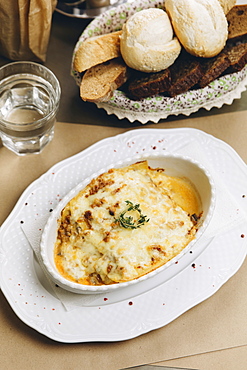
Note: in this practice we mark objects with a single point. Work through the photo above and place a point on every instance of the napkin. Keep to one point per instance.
(225, 205)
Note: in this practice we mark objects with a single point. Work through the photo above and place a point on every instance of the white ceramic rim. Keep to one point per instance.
(79, 288)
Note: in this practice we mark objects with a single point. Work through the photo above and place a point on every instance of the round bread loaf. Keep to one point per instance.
(147, 43)
(200, 25)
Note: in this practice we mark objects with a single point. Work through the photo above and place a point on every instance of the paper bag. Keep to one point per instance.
(25, 28)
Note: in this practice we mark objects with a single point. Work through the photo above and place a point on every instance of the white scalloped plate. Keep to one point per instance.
(223, 90)
(138, 311)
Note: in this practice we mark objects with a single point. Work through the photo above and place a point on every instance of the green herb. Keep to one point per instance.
(128, 221)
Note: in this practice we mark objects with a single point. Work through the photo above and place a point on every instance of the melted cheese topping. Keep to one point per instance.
(93, 247)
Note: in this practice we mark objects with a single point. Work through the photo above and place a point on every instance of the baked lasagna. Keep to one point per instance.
(124, 224)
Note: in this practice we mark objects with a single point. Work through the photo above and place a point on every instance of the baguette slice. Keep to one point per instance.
(100, 81)
(96, 50)
(237, 21)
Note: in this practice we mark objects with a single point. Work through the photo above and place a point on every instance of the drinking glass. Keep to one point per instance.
(29, 101)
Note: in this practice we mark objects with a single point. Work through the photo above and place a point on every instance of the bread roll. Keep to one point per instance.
(200, 25)
(147, 42)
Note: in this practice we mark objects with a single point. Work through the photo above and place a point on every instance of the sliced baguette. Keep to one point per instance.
(100, 81)
(96, 50)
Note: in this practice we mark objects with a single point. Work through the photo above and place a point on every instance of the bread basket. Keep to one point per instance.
(223, 90)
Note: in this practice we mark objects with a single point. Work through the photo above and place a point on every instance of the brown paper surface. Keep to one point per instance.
(218, 323)
(25, 28)
(234, 358)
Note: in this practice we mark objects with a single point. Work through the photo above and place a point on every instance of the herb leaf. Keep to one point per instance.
(128, 222)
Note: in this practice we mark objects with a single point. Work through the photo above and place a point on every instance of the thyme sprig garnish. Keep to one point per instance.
(129, 222)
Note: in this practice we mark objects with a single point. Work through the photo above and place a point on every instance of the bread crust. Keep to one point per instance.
(200, 25)
(96, 50)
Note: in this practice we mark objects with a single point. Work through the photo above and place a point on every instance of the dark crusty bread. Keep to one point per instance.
(237, 21)
(147, 84)
(213, 68)
(232, 59)
(185, 73)
(190, 72)
(237, 55)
